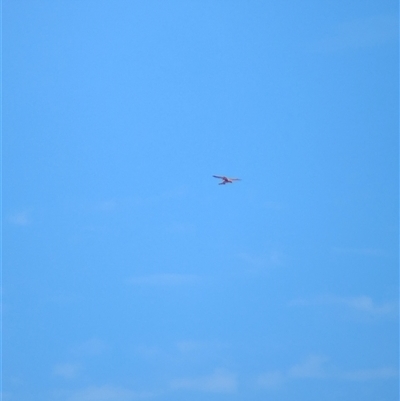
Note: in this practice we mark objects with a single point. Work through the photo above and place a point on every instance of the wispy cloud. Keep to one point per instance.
(106, 205)
(312, 367)
(365, 304)
(108, 393)
(271, 259)
(371, 374)
(165, 279)
(218, 382)
(361, 304)
(20, 219)
(148, 352)
(271, 379)
(66, 370)
(316, 367)
(361, 33)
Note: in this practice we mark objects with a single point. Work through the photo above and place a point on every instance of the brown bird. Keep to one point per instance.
(226, 180)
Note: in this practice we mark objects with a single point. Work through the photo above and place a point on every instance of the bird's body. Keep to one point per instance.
(226, 180)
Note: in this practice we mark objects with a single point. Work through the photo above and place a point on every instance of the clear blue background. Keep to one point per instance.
(128, 273)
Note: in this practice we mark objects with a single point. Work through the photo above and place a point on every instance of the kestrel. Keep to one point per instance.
(226, 180)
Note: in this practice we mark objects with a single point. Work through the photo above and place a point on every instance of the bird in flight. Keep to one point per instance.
(226, 180)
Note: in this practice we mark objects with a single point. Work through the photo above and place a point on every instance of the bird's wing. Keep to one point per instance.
(219, 176)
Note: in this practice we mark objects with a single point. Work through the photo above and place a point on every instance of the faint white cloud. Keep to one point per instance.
(371, 374)
(108, 393)
(312, 367)
(270, 380)
(362, 304)
(66, 370)
(218, 382)
(365, 304)
(316, 367)
(190, 346)
(19, 219)
(164, 279)
(361, 33)
(106, 205)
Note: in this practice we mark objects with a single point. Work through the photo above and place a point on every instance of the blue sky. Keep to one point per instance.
(128, 273)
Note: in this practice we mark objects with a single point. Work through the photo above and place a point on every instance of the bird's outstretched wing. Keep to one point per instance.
(219, 176)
